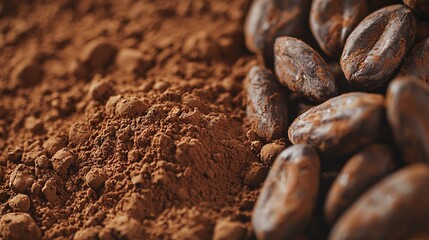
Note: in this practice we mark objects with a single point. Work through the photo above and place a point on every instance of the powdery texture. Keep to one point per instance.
(134, 125)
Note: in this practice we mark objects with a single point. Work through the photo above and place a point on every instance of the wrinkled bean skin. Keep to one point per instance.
(361, 171)
(395, 208)
(377, 46)
(286, 202)
(340, 125)
(416, 63)
(407, 104)
(419, 6)
(269, 19)
(303, 70)
(332, 21)
(266, 104)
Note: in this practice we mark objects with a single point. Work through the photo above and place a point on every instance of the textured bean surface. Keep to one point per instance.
(395, 208)
(332, 21)
(416, 63)
(420, 6)
(269, 19)
(407, 112)
(361, 171)
(266, 104)
(377, 46)
(303, 70)
(340, 125)
(288, 196)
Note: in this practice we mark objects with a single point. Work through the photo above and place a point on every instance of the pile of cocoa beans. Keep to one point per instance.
(346, 82)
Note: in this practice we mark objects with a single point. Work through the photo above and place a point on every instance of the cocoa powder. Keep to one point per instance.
(126, 120)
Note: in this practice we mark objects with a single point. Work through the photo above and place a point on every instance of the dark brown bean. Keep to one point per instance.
(332, 21)
(286, 202)
(416, 62)
(395, 208)
(407, 112)
(377, 46)
(340, 125)
(266, 104)
(269, 19)
(419, 6)
(361, 171)
(303, 70)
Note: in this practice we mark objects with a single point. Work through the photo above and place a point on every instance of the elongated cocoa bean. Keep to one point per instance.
(377, 46)
(332, 21)
(407, 111)
(340, 125)
(303, 70)
(395, 208)
(269, 19)
(266, 104)
(286, 202)
(361, 171)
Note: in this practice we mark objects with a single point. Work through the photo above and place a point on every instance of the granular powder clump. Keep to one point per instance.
(133, 123)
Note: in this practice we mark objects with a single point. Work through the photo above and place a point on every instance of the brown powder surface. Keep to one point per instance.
(126, 119)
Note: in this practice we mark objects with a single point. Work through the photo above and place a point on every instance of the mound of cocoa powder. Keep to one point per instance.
(126, 120)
